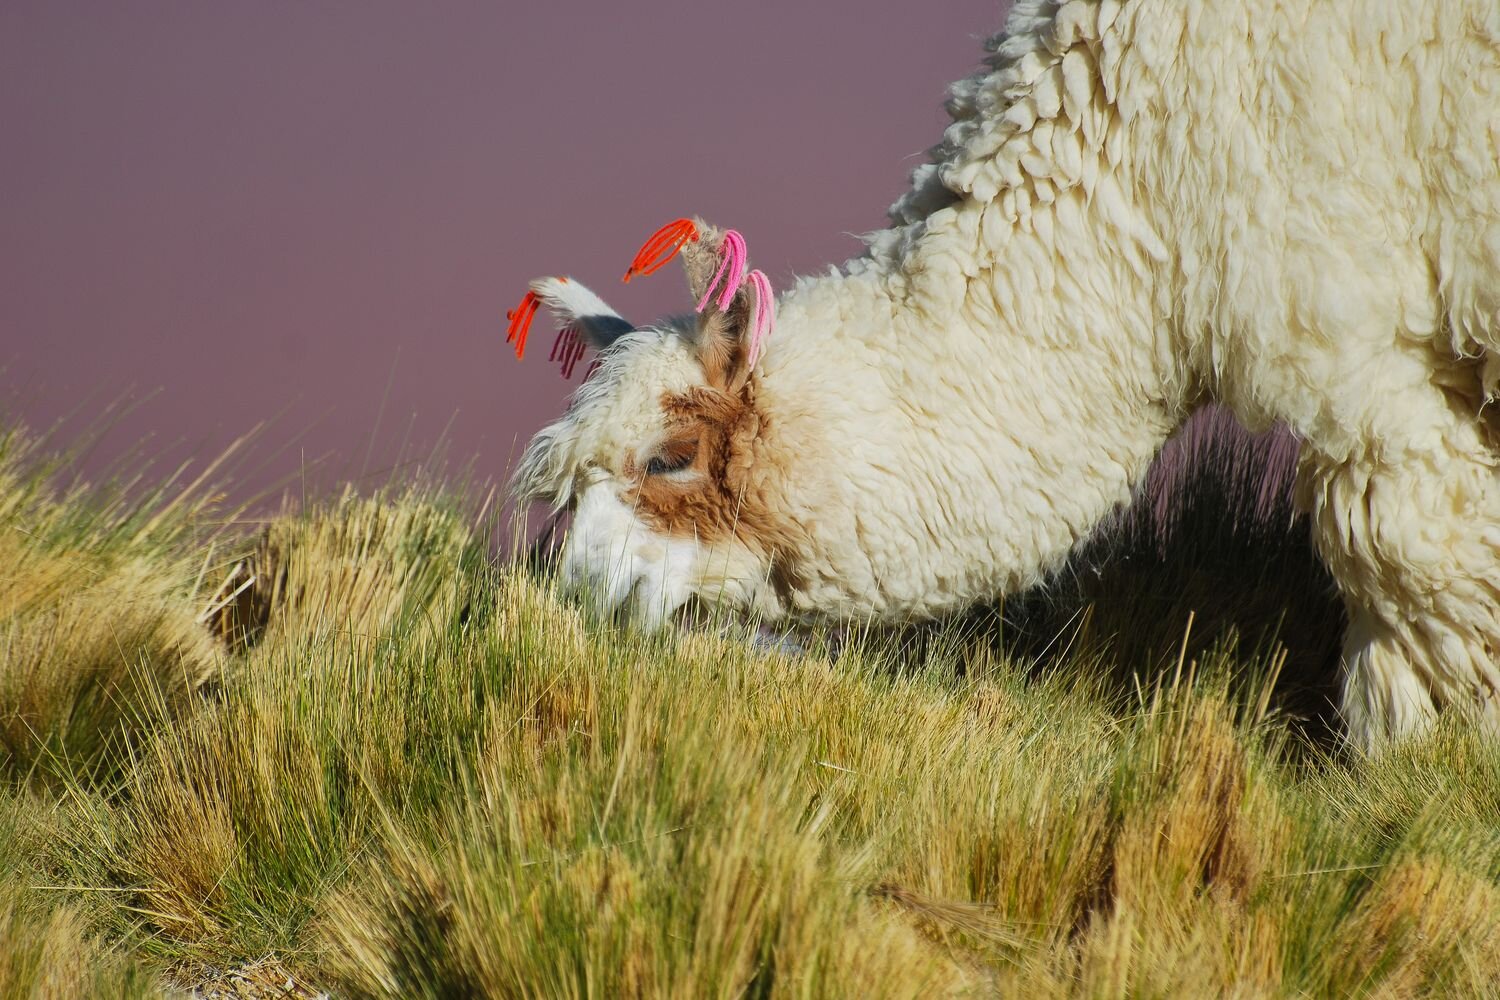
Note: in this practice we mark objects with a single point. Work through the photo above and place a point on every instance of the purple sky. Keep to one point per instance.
(254, 210)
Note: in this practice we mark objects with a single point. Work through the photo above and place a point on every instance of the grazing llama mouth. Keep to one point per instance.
(615, 561)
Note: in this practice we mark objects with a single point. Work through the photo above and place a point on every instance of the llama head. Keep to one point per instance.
(654, 454)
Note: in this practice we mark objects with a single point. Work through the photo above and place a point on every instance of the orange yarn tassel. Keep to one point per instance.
(661, 247)
(520, 322)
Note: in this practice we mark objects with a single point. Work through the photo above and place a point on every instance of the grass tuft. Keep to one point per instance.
(346, 752)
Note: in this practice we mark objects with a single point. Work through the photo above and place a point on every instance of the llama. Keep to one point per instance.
(1140, 205)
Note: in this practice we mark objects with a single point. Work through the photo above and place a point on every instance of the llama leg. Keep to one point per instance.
(1411, 532)
(1382, 695)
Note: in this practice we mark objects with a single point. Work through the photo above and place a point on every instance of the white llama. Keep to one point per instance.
(1290, 207)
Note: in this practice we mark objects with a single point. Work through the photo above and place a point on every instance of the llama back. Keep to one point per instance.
(1234, 150)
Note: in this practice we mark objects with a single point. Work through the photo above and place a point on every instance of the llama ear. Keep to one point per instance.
(715, 263)
(583, 320)
(575, 307)
(735, 305)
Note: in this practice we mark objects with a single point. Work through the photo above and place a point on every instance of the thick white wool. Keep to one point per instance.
(1293, 208)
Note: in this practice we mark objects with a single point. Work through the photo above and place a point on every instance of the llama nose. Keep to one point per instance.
(611, 558)
(597, 569)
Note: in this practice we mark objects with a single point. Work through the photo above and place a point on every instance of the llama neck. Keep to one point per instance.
(955, 410)
(955, 417)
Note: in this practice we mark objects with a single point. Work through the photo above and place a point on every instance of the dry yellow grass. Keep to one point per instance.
(100, 612)
(415, 773)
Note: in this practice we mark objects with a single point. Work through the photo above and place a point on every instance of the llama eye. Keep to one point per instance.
(672, 460)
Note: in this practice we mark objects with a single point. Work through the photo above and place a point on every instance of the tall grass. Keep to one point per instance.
(100, 610)
(407, 771)
(1213, 534)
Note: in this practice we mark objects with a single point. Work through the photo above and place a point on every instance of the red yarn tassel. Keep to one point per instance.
(520, 322)
(661, 247)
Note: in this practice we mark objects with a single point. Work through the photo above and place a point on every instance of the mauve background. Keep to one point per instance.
(319, 213)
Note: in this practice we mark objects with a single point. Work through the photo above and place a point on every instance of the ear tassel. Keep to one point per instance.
(732, 259)
(520, 322)
(763, 317)
(568, 350)
(664, 244)
(661, 247)
(571, 358)
(729, 278)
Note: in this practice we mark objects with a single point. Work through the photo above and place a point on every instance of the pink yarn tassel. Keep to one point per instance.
(563, 343)
(567, 350)
(732, 258)
(572, 360)
(763, 319)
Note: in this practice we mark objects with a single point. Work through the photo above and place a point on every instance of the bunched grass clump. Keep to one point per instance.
(101, 605)
(355, 754)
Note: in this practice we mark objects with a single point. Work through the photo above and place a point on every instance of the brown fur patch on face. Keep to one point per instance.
(711, 498)
(730, 486)
(722, 349)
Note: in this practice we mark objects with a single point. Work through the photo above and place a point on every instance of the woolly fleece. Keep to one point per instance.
(1291, 208)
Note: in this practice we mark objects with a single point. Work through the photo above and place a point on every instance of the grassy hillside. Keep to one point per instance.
(348, 752)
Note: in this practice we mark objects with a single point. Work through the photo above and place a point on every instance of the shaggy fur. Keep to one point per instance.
(1291, 208)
